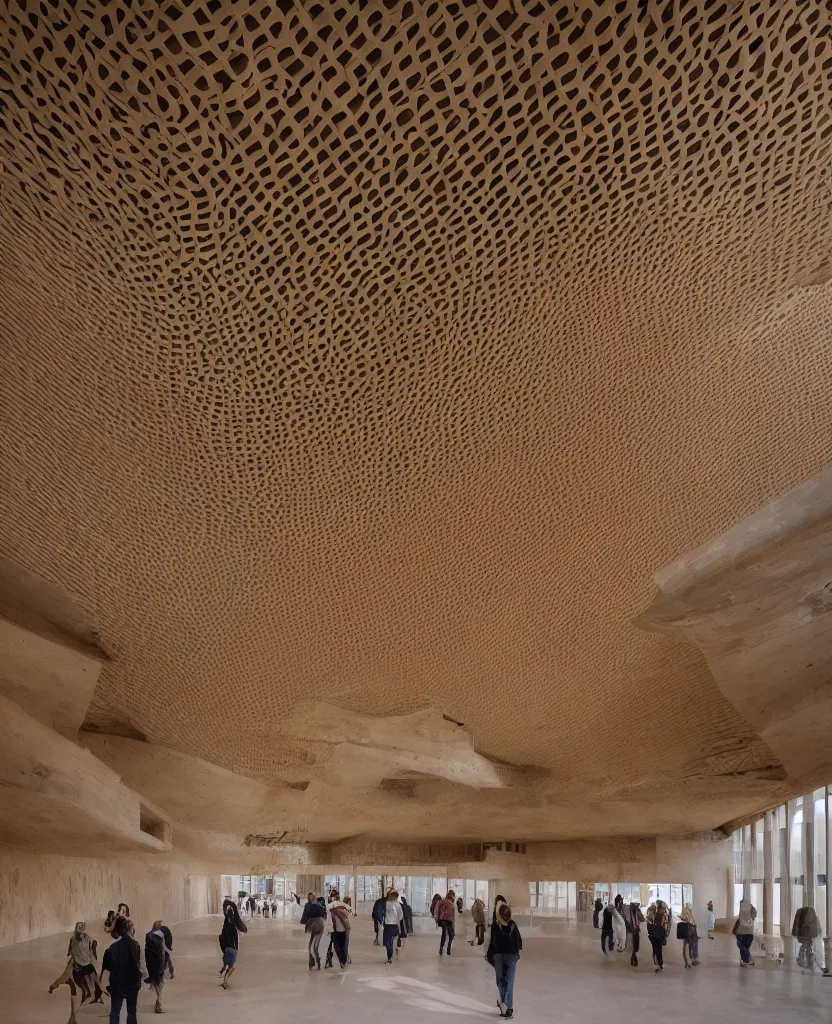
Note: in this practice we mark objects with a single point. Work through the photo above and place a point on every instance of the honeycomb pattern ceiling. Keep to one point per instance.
(379, 353)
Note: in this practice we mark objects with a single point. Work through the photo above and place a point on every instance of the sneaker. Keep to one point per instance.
(694, 963)
(509, 1014)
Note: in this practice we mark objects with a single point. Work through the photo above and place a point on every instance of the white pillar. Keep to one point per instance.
(785, 880)
(827, 942)
(768, 875)
(809, 850)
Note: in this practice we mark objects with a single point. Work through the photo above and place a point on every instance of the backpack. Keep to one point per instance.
(445, 911)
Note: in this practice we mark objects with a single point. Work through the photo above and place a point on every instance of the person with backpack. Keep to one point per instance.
(339, 913)
(743, 930)
(478, 917)
(503, 955)
(444, 917)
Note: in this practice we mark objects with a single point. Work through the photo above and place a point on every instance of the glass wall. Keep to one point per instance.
(781, 866)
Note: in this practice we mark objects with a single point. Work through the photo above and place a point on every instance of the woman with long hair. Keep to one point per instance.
(504, 955)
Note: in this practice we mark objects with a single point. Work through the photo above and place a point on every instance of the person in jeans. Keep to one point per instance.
(393, 917)
(314, 918)
(503, 955)
(123, 960)
(155, 959)
(340, 915)
(444, 917)
(744, 931)
(229, 939)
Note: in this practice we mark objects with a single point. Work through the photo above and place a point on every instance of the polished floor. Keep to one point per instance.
(562, 977)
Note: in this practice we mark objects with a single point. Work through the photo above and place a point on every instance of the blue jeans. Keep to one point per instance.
(116, 999)
(744, 943)
(391, 933)
(505, 967)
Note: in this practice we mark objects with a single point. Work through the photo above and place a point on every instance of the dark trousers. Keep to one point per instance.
(657, 942)
(606, 942)
(391, 933)
(744, 943)
(116, 999)
(447, 933)
(316, 930)
(479, 933)
(339, 942)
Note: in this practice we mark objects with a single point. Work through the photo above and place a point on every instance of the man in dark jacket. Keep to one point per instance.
(123, 960)
(314, 919)
(378, 916)
(155, 958)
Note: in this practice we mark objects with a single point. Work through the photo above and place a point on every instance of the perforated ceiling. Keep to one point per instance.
(379, 354)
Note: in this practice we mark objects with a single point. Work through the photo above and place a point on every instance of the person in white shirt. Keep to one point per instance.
(711, 919)
(393, 917)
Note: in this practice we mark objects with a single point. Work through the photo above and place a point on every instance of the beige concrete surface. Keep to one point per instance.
(360, 371)
(561, 979)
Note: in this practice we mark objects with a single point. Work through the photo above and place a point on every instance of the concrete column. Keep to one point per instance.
(809, 850)
(785, 925)
(768, 876)
(612, 891)
(747, 847)
(827, 942)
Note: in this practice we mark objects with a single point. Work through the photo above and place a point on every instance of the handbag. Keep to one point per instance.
(683, 930)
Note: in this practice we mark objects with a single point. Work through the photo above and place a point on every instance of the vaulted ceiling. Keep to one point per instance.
(363, 362)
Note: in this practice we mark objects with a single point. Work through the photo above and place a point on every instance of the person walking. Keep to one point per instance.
(229, 940)
(444, 917)
(155, 960)
(478, 917)
(503, 955)
(611, 923)
(657, 931)
(633, 918)
(596, 913)
(313, 918)
(711, 919)
(80, 971)
(686, 929)
(168, 934)
(433, 903)
(339, 913)
(744, 931)
(378, 918)
(82, 951)
(122, 960)
(407, 916)
(393, 918)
